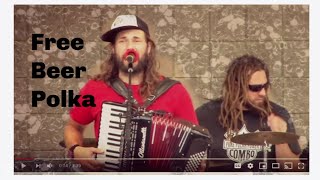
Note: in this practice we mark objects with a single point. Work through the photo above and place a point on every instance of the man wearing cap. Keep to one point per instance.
(131, 45)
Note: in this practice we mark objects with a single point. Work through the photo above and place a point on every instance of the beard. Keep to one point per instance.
(257, 107)
(140, 67)
(259, 103)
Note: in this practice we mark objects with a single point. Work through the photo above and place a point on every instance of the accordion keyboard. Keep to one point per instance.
(114, 126)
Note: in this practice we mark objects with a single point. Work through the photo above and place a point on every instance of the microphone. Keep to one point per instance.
(131, 55)
(130, 58)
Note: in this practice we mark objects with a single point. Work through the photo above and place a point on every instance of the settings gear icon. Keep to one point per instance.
(250, 165)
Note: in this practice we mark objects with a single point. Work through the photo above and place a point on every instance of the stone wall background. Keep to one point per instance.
(195, 44)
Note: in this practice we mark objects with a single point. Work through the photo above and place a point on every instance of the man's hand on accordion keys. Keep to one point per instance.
(86, 157)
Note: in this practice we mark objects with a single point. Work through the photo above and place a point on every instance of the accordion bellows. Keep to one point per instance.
(158, 143)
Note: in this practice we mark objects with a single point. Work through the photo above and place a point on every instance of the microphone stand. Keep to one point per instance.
(127, 136)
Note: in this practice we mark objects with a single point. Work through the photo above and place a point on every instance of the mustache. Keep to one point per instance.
(140, 67)
(256, 107)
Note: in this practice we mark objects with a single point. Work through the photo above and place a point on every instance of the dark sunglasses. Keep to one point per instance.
(258, 87)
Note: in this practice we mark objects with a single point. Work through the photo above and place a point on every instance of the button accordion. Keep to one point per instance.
(158, 143)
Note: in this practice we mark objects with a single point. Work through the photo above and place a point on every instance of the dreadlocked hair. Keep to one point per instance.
(235, 88)
(151, 77)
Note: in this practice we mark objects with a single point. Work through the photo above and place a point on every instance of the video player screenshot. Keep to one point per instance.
(167, 89)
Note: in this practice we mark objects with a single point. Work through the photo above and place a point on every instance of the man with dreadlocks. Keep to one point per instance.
(129, 36)
(244, 108)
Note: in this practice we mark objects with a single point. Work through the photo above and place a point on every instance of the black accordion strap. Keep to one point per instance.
(164, 85)
(119, 87)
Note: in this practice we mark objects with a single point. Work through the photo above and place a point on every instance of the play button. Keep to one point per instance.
(23, 165)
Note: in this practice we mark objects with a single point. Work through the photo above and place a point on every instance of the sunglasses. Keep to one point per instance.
(258, 87)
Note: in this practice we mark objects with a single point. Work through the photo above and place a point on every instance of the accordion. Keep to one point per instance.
(158, 143)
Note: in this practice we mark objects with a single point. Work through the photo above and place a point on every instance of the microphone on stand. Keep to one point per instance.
(131, 55)
(130, 58)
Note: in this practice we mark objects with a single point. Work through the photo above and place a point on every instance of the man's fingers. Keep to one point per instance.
(268, 123)
(96, 150)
